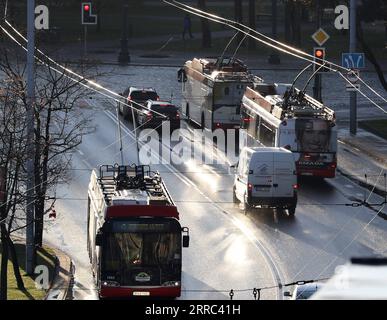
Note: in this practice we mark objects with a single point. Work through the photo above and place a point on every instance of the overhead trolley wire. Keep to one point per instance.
(296, 52)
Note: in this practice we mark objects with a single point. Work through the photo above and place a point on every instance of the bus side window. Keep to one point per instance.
(266, 134)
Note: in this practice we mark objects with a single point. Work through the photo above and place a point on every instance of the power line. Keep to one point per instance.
(299, 53)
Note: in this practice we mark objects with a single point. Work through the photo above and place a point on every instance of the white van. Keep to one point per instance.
(266, 177)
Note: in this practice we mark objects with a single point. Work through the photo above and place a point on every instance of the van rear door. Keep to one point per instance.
(261, 174)
(284, 175)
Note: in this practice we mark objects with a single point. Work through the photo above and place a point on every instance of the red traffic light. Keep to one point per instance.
(86, 7)
(319, 53)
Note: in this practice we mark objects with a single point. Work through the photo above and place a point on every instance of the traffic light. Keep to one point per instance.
(87, 17)
(319, 57)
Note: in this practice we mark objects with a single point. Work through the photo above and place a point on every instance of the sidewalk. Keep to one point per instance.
(363, 158)
(62, 279)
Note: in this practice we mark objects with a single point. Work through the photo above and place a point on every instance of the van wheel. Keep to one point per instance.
(246, 206)
(119, 108)
(292, 211)
(187, 112)
(234, 197)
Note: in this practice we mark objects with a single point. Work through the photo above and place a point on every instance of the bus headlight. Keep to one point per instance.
(110, 283)
(171, 284)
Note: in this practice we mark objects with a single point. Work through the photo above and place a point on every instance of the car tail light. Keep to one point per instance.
(129, 98)
(249, 187)
(149, 115)
(157, 98)
(295, 186)
(333, 165)
(177, 115)
(218, 125)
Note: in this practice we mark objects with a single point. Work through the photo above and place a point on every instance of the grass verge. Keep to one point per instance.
(377, 127)
(45, 256)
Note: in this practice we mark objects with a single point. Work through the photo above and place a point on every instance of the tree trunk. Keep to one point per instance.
(206, 32)
(296, 22)
(38, 184)
(252, 23)
(369, 54)
(15, 264)
(4, 263)
(288, 21)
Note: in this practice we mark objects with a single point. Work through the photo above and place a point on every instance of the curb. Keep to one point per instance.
(377, 158)
(60, 285)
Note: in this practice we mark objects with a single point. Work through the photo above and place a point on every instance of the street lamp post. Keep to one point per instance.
(274, 57)
(124, 57)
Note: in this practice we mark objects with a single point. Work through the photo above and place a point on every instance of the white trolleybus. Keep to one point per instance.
(212, 90)
(276, 115)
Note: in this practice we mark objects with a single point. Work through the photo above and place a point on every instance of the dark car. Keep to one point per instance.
(156, 112)
(135, 97)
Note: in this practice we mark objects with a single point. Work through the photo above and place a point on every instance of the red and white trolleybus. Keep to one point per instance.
(278, 115)
(134, 236)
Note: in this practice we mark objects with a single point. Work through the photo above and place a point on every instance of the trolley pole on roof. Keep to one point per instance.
(30, 185)
(352, 48)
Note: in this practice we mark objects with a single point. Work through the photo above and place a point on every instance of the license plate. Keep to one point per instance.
(141, 293)
(262, 189)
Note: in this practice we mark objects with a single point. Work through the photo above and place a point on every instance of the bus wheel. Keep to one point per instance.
(292, 212)
(234, 197)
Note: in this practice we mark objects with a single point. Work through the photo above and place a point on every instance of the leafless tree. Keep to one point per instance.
(59, 127)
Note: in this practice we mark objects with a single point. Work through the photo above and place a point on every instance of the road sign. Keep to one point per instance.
(353, 87)
(353, 77)
(353, 60)
(320, 36)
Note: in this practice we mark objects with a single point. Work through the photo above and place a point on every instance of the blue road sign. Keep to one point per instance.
(353, 60)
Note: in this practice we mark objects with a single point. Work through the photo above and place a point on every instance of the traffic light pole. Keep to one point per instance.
(85, 42)
(30, 185)
(317, 78)
(352, 48)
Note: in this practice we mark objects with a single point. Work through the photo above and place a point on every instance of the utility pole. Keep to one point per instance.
(30, 247)
(274, 56)
(317, 78)
(352, 48)
(124, 57)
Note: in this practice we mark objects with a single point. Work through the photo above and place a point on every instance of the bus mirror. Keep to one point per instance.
(185, 231)
(181, 75)
(98, 238)
(185, 241)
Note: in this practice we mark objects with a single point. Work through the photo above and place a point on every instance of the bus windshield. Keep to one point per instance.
(126, 250)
